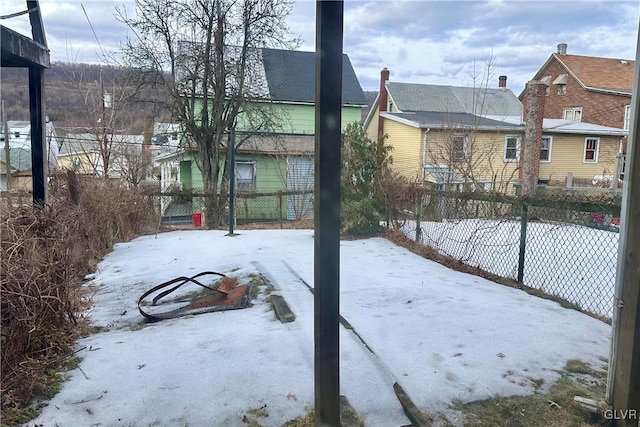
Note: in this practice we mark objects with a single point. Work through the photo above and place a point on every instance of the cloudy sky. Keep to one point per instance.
(437, 42)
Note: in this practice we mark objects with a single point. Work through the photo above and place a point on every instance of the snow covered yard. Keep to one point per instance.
(567, 260)
(443, 335)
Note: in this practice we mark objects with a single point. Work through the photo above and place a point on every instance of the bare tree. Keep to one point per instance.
(104, 101)
(468, 153)
(210, 51)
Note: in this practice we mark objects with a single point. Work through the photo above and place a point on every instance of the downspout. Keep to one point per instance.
(424, 152)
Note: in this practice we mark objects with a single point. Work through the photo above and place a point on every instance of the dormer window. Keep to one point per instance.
(561, 83)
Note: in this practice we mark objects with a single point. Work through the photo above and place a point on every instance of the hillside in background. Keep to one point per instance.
(73, 101)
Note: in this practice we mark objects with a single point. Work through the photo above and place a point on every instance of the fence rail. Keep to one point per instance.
(564, 247)
(250, 207)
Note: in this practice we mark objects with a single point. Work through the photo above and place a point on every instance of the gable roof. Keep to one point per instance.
(595, 73)
(482, 101)
(290, 77)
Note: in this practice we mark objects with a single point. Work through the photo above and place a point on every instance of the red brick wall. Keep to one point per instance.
(597, 108)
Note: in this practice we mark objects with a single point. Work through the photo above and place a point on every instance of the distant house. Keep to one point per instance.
(20, 154)
(587, 89)
(460, 137)
(20, 169)
(280, 158)
(82, 153)
(448, 135)
(166, 134)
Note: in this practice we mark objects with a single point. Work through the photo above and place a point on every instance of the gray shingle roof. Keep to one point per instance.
(454, 99)
(435, 119)
(87, 143)
(291, 77)
(20, 158)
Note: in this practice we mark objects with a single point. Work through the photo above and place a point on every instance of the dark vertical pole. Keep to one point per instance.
(418, 219)
(38, 143)
(232, 181)
(329, 21)
(524, 217)
(624, 368)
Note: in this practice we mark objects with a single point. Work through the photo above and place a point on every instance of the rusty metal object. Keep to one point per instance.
(227, 296)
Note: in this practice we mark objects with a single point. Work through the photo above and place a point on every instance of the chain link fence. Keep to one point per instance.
(278, 208)
(564, 245)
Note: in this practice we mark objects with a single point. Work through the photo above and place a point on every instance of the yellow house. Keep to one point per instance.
(82, 153)
(455, 137)
(584, 150)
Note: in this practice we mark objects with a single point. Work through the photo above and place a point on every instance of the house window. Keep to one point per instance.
(573, 114)
(591, 146)
(561, 82)
(458, 147)
(246, 176)
(545, 149)
(627, 116)
(16, 134)
(174, 136)
(511, 148)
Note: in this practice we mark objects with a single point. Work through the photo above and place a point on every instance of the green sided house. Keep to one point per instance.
(278, 162)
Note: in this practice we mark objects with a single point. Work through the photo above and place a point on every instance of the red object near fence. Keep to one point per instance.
(196, 219)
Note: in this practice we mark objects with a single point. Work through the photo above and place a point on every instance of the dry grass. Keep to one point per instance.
(557, 408)
(45, 253)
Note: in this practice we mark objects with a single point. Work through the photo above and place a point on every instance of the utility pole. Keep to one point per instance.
(7, 152)
(103, 137)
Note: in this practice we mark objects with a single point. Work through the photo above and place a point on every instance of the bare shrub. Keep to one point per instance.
(45, 253)
(400, 195)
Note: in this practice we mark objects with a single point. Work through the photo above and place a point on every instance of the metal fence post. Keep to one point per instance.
(418, 219)
(232, 181)
(280, 207)
(524, 214)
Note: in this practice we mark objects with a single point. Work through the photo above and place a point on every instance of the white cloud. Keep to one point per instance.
(420, 41)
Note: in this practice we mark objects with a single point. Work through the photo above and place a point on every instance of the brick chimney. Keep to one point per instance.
(382, 98)
(562, 49)
(502, 82)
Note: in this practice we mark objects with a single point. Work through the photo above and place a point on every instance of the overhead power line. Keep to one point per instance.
(92, 30)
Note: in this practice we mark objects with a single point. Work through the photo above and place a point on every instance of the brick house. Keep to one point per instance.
(587, 89)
